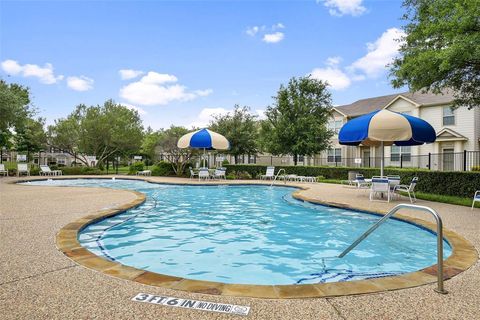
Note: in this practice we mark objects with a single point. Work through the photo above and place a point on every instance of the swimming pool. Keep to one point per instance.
(250, 235)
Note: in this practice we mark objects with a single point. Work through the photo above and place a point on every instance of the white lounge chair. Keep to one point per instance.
(476, 197)
(219, 174)
(380, 185)
(193, 174)
(203, 174)
(46, 171)
(270, 174)
(144, 173)
(3, 171)
(410, 189)
(393, 181)
(22, 168)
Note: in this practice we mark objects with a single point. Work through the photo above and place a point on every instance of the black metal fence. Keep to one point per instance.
(454, 161)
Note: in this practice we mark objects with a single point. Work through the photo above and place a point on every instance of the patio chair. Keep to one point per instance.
(144, 173)
(219, 174)
(379, 185)
(393, 181)
(193, 174)
(476, 197)
(46, 171)
(203, 174)
(270, 174)
(3, 171)
(410, 189)
(22, 168)
(361, 182)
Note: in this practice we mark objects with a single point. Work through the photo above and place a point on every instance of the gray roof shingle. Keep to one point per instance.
(368, 105)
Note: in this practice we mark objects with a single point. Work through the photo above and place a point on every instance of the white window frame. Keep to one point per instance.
(397, 153)
(445, 110)
(335, 125)
(334, 155)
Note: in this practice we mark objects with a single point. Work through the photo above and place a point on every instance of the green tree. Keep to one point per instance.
(15, 109)
(149, 143)
(102, 131)
(296, 123)
(168, 147)
(30, 136)
(441, 49)
(241, 130)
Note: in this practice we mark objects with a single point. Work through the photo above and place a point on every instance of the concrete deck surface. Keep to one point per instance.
(39, 282)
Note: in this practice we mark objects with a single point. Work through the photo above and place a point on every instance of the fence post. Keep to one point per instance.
(429, 161)
(464, 160)
(271, 160)
(401, 160)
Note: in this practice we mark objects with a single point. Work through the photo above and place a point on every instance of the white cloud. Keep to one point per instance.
(268, 34)
(126, 74)
(380, 53)
(344, 7)
(140, 111)
(333, 61)
(158, 89)
(206, 115)
(333, 75)
(81, 83)
(44, 74)
(252, 31)
(273, 37)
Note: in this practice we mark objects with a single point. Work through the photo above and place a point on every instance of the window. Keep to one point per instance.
(334, 155)
(404, 152)
(448, 116)
(61, 161)
(335, 125)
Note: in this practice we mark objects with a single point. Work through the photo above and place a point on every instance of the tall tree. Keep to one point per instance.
(15, 109)
(296, 123)
(168, 147)
(240, 129)
(30, 136)
(101, 131)
(441, 49)
(149, 143)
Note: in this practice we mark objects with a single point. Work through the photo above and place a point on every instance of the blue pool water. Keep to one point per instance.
(250, 235)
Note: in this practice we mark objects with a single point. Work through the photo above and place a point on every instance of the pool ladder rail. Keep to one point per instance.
(438, 219)
(276, 176)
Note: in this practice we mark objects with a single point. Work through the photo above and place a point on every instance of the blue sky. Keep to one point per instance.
(183, 61)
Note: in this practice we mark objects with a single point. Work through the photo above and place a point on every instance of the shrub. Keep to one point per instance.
(134, 167)
(476, 168)
(163, 168)
(81, 171)
(453, 183)
(225, 162)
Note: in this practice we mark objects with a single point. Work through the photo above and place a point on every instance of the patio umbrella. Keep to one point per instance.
(385, 128)
(203, 139)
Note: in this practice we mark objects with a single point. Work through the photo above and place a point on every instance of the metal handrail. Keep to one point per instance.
(438, 219)
(276, 176)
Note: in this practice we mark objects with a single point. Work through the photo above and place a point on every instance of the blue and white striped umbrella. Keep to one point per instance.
(203, 139)
(384, 127)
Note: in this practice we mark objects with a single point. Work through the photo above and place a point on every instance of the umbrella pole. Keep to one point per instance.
(381, 160)
(204, 154)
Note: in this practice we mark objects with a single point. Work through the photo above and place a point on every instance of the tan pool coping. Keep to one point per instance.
(462, 258)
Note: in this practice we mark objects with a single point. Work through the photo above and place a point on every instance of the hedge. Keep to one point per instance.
(81, 171)
(451, 183)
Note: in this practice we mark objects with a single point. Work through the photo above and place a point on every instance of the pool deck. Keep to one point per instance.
(38, 281)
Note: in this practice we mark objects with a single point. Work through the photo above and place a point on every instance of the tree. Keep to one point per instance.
(240, 129)
(296, 123)
(149, 143)
(168, 145)
(15, 109)
(441, 49)
(102, 131)
(30, 136)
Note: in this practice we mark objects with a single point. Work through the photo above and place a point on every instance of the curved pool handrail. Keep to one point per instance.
(276, 176)
(438, 219)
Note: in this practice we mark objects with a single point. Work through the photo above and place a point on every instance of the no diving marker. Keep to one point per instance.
(192, 304)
